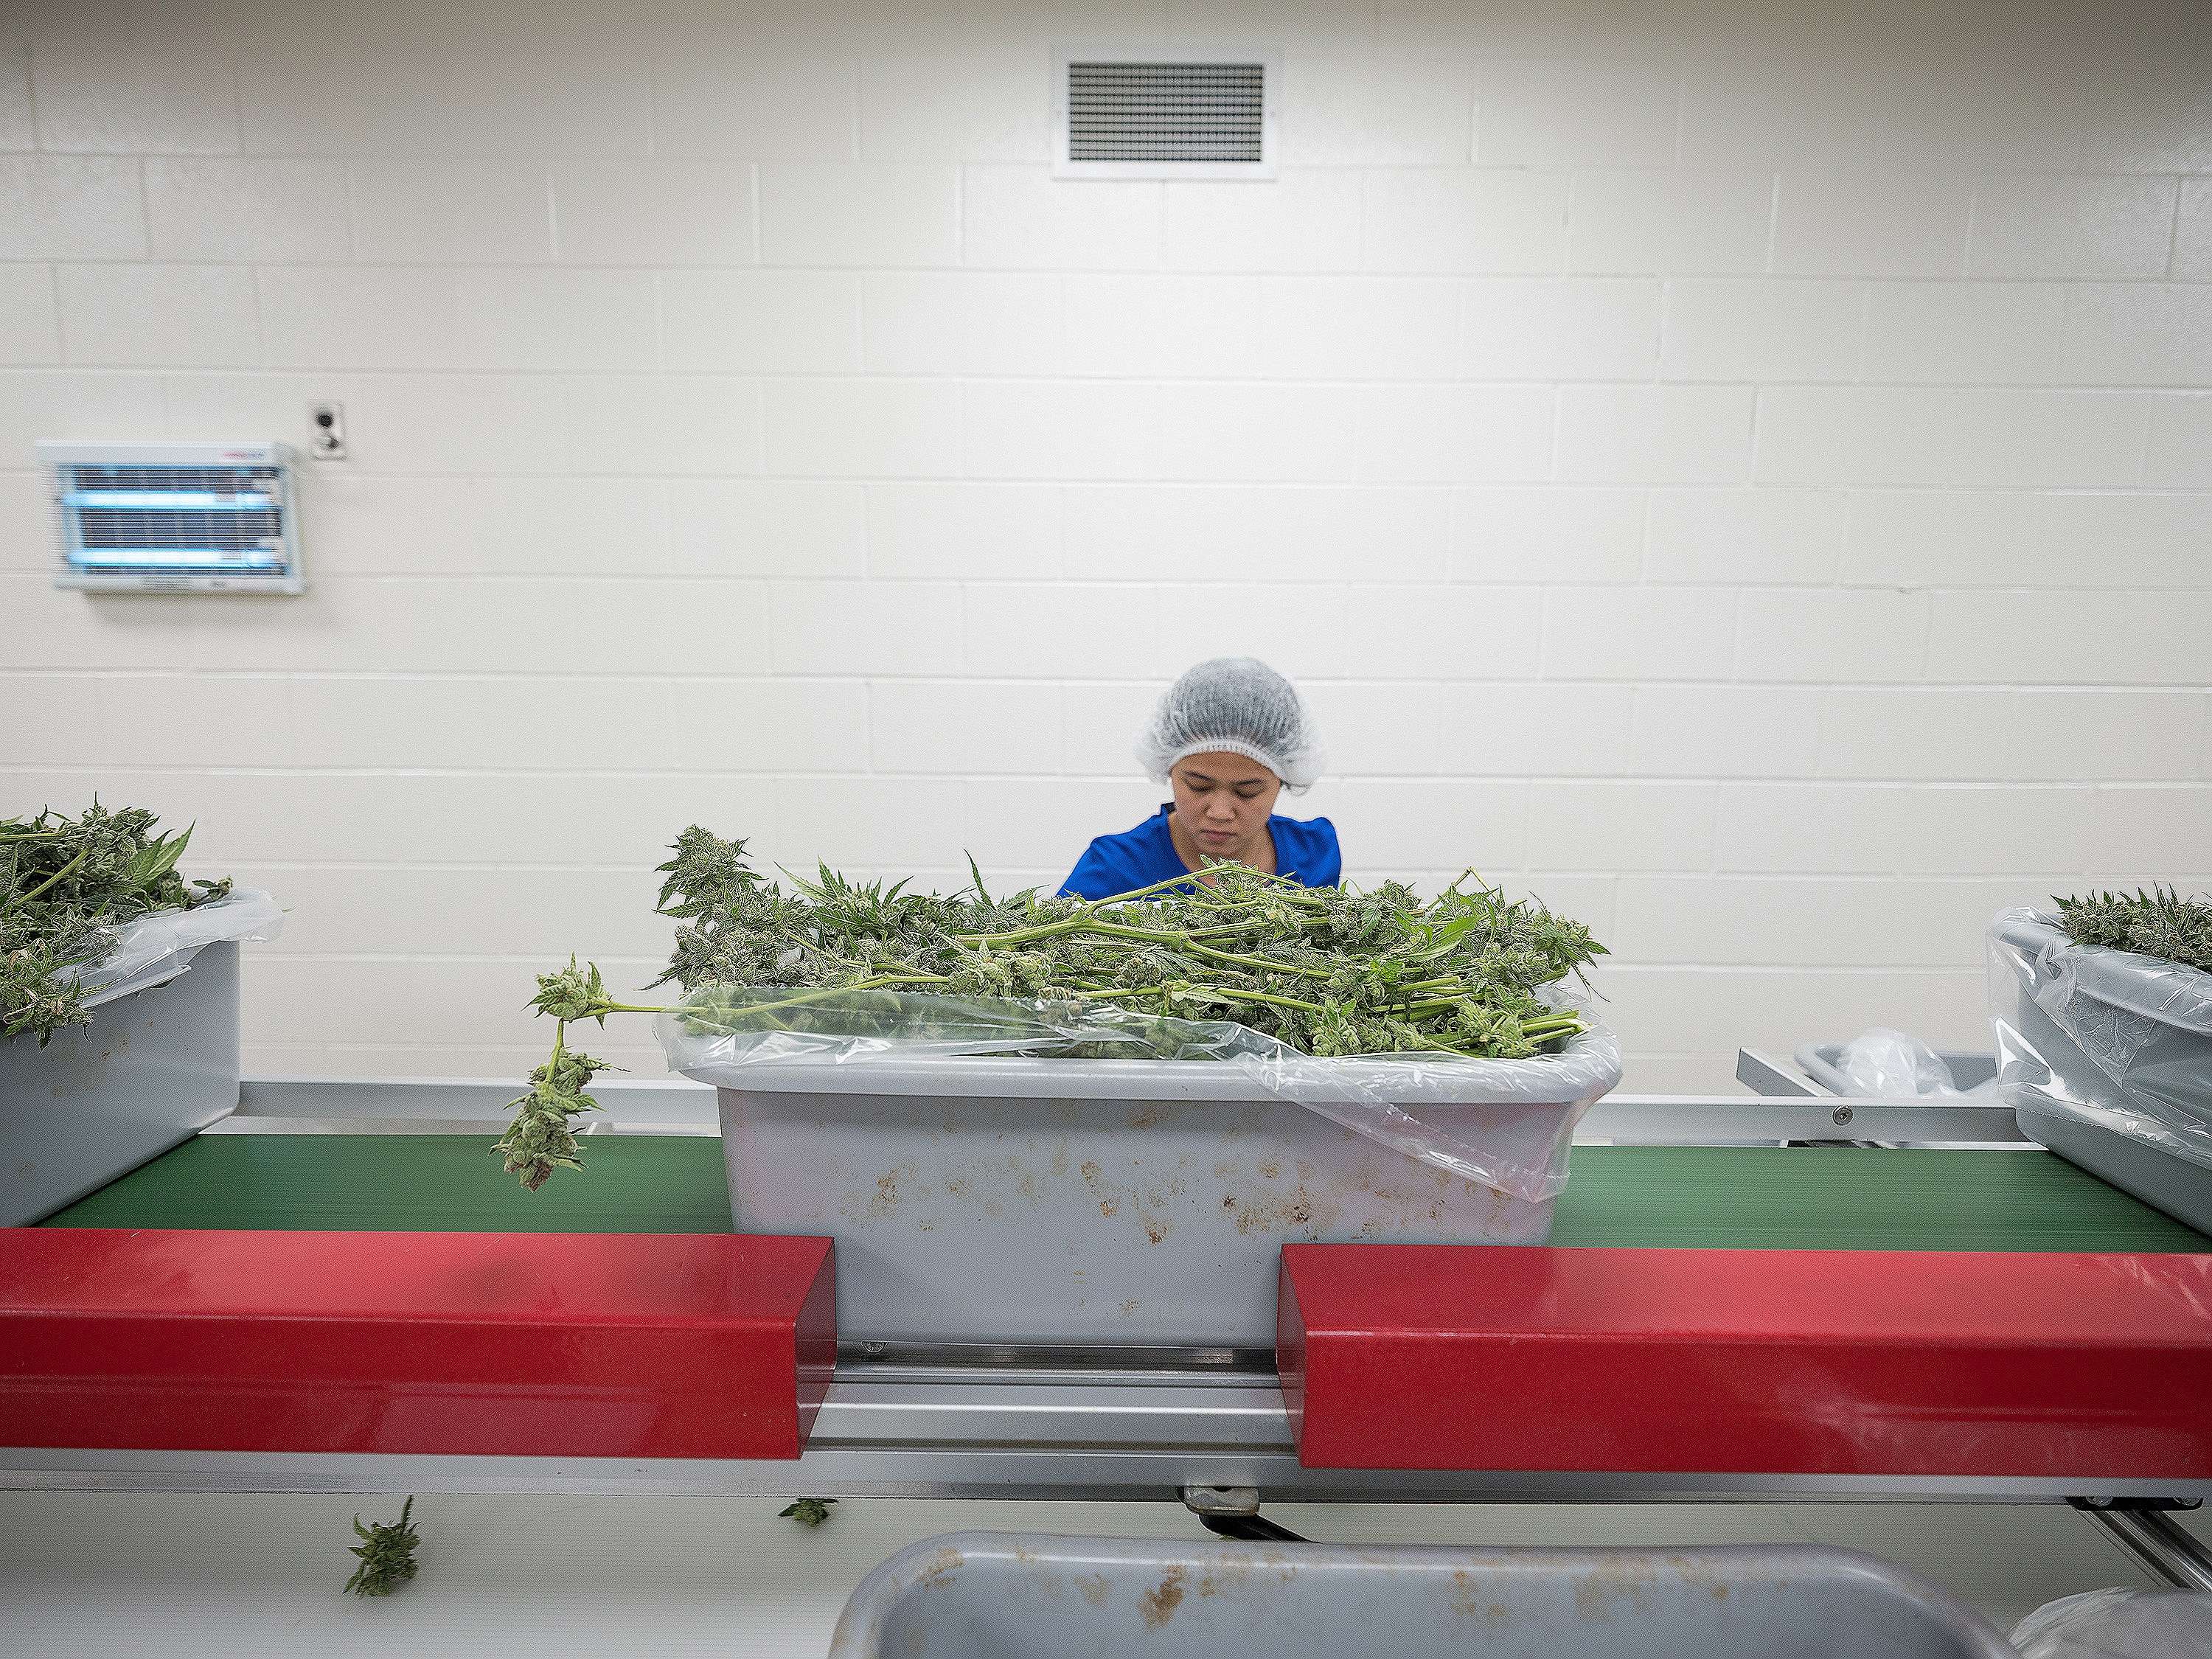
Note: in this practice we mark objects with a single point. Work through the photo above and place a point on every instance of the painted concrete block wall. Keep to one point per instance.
(1740, 469)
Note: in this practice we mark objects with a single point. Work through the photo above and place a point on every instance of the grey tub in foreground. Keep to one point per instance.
(1086, 1202)
(154, 1068)
(988, 1596)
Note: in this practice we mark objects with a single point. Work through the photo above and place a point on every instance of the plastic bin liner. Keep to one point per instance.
(2133, 1040)
(720, 1034)
(1890, 1065)
(2119, 1624)
(159, 947)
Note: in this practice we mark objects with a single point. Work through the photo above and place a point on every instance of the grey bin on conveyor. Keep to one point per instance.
(2140, 1116)
(990, 1596)
(152, 1069)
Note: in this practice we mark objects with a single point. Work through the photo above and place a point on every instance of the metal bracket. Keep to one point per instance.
(1234, 1512)
(2147, 1534)
(1203, 1501)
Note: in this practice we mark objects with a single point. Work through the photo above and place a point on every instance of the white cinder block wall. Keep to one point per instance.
(1741, 470)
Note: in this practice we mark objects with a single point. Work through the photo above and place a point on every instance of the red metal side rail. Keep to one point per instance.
(485, 1344)
(1835, 1361)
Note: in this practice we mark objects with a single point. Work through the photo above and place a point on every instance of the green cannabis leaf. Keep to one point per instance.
(808, 1511)
(66, 884)
(2159, 923)
(387, 1553)
(1329, 971)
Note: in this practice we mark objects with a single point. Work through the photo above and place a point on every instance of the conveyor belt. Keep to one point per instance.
(1709, 1197)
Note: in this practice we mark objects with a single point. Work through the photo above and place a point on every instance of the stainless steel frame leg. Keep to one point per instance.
(2146, 1534)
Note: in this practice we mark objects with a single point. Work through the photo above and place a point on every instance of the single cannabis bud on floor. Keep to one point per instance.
(387, 1554)
(808, 1511)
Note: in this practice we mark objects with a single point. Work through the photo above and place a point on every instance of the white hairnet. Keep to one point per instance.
(1235, 705)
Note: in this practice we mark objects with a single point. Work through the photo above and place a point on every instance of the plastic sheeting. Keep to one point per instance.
(1892, 1066)
(721, 1034)
(2119, 1624)
(2108, 1037)
(157, 948)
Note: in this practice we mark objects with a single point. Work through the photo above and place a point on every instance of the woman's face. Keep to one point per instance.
(1223, 800)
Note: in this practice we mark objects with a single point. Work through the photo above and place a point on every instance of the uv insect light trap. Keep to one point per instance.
(174, 517)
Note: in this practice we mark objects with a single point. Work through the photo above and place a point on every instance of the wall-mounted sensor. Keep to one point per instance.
(326, 431)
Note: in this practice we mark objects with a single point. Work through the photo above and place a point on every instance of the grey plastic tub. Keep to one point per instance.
(987, 1595)
(2107, 1061)
(1824, 1063)
(1058, 1202)
(154, 1068)
(2178, 1186)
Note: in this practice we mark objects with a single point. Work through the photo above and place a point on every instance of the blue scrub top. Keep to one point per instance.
(1305, 852)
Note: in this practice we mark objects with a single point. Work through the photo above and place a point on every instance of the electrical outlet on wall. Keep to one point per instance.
(326, 431)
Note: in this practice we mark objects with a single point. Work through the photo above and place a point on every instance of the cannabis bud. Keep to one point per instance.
(573, 993)
(387, 1555)
(808, 1511)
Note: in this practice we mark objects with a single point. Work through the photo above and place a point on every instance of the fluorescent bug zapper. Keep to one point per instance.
(174, 517)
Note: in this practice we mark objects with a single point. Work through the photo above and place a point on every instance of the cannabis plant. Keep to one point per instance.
(2159, 923)
(1328, 971)
(66, 884)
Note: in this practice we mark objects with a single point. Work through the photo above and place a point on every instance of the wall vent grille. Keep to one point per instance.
(1176, 116)
(1166, 112)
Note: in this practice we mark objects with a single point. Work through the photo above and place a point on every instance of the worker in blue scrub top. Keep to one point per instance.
(1229, 737)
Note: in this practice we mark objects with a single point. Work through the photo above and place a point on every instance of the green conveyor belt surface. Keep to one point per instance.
(1716, 1197)
(416, 1183)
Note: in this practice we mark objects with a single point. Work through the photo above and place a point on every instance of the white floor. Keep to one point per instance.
(85, 1577)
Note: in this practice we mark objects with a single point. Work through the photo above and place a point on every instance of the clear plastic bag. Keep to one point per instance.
(1894, 1066)
(157, 948)
(2109, 1037)
(2119, 1624)
(1408, 1102)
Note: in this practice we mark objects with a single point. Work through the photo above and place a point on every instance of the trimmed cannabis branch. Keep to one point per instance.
(1329, 971)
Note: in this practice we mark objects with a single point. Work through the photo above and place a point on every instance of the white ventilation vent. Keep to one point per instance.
(1164, 115)
(167, 517)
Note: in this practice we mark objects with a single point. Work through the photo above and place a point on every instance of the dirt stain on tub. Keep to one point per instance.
(1158, 1604)
(1094, 1178)
(1300, 1211)
(1466, 1603)
(1094, 1588)
(939, 1570)
(887, 1196)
